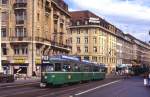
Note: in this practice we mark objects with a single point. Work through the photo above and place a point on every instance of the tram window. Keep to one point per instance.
(47, 68)
(86, 68)
(50, 68)
(96, 69)
(76, 68)
(57, 67)
(66, 68)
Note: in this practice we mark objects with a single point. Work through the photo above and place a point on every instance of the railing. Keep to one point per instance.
(18, 22)
(40, 39)
(52, 42)
(20, 38)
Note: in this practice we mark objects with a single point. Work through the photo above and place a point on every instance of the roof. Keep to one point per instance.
(85, 14)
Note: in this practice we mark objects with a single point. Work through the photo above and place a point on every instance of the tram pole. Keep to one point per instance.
(32, 37)
(1, 70)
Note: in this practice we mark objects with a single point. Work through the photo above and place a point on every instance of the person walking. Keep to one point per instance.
(149, 79)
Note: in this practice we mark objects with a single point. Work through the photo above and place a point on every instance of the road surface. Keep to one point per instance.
(132, 87)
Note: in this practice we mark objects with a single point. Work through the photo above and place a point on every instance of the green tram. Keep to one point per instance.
(58, 70)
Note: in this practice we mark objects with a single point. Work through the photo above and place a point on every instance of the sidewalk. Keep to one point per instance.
(19, 82)
(114, 76)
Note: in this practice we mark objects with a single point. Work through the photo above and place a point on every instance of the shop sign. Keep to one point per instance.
(19, 60)
(38, 60)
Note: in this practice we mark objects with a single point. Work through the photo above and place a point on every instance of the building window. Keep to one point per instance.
(94, 58)
(38, 17)
(24, 50)
(86, 22)
(4, 49)
(70, 40)
(78, 31)
(20, 17)
(3, 32)
(21, 1)
(78, 22)
(95, 40)
(86, 40)
(86, 49)
(78, 49)
(20, 32)
(4, 1)
(78, 40)
(95, 49)
(86, 57)
(95, 31)
(20, 50)
(16, 51)
(86, 31)
(4, 16)
(42, 3)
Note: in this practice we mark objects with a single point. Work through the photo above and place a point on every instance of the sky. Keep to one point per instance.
(131, 16)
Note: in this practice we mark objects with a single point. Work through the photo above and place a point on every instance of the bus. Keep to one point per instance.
(61, 69)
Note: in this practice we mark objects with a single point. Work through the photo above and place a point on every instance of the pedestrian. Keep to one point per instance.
(126, 73)
(146, 80)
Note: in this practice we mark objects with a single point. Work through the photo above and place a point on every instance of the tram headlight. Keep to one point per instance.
(53, 76)
(45, 77)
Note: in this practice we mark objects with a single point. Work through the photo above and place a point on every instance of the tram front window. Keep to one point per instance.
(47, 68)
(66, 68)
(57, 67)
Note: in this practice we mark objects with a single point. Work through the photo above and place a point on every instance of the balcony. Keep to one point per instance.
(20, 5)
(42, 40)
(60, 45)
(20, 22)
(5, 39)
(20, 39)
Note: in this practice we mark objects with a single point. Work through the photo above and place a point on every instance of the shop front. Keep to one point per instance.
(19, 67)
(38, 66)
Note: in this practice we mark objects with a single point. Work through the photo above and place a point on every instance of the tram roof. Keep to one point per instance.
(60, 57)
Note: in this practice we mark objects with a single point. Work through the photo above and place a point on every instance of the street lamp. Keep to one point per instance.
(0, 42)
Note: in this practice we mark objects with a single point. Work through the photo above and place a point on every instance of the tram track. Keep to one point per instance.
(35, 91)
(2, 87)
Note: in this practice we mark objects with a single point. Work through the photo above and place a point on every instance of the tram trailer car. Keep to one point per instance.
(58, 70)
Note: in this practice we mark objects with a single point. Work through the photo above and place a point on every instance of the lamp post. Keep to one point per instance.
(0, 43)
(149, 51)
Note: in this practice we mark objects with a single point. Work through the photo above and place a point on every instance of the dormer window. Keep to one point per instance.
(78, 22)
(86, 22)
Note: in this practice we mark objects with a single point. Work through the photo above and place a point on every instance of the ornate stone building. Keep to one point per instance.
(93, 38)
(30, 29)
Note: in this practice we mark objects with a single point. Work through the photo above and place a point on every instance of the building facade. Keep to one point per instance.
(0, 38)
(93, 38)
(141, 51)
(30, 29)
(124, 49)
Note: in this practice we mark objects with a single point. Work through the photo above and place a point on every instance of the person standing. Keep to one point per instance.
(148, 79)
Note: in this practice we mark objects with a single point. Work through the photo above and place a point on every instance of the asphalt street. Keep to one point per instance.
(132, 87)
